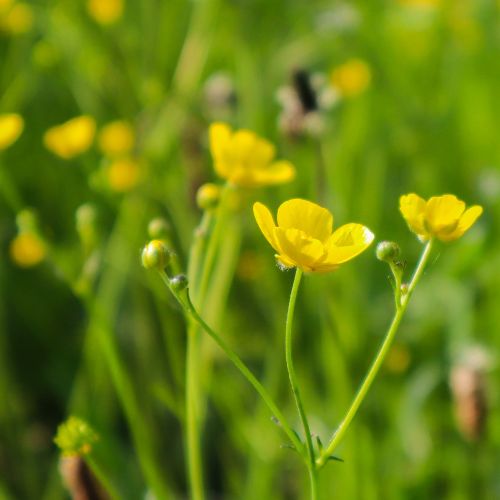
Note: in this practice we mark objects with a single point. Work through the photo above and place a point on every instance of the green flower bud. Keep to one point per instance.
(75, 437)
(179, 283)
(388, 251)
(158, 228)
(155, 255)
(208, 196)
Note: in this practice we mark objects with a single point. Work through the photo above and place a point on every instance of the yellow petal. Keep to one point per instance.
(315, 221)
(263, 152)
(242, 147)
(266, 223)
(412, 208)
(219, 136)
(442, 213)
(466, 220)
(11, 127)
(305, 252)
(278, 172)
(347, 242)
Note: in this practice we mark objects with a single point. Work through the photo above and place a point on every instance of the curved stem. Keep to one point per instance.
(191, 311)
(379, 359)
(294, 384)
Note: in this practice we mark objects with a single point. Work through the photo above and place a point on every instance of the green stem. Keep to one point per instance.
(191, 312)
(379, 359)
(192, 421)
(295, 387)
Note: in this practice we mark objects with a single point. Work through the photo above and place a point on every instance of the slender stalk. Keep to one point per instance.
(295, 387)
(191, 312)
(379, 359)
(192, 420)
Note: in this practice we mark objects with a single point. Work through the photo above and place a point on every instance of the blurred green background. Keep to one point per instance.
(418, 113)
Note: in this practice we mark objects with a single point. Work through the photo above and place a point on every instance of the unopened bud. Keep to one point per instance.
(208, 196)
(155, 255)
(179, 283)
(388, 251)
(158, 228)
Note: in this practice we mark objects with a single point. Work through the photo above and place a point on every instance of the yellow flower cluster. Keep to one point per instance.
(442, 217)
(105, 11)
(71, 138)
(245, 159)
(11, 127)
(16, 18)
(303, 237)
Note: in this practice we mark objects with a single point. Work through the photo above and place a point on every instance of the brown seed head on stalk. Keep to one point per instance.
(467, 382)
(79, 480)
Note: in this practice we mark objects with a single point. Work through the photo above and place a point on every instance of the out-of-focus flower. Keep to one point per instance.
(75, 437)
(420, 3)
(245, 159)
(443, 217)
(219, 96)
(5, 4)
(303, 104)
(71, 138)
(123, 174)
(105, 11)
(303, 237)
(468, 386)
(27, 249)
(16, 18)
(116, 139)
(11, 127)
(351, 78)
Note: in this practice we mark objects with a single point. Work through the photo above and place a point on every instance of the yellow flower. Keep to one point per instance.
(11, 127)
(303, 237)
(27, 249)
(18, 19)
(123, 175)
(245, 159)
(71, 138)
(351, 78)
(443, 217)
(116, 138)
(105, 11)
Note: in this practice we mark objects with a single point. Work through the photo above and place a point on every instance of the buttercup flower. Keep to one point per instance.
(443, 217)
(105, 11)
(11, 127)
(123, 175)
(116, 139)
(71, 138)
(303, 237)
(27, 249)
(245, 159)
(351, 78)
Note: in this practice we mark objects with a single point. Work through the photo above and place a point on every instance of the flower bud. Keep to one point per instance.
(388, 251)
(158, 228)
(75, 437)
(179, 283)
(208, 196)
(155, 255)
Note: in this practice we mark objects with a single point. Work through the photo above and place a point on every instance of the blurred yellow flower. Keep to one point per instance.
(105, 11)
(123, 175)
(303, 237)
(116, 139)
(245, 159)
(71, 138)
(11, 127)
(27, 249)
(351, 78)
(18, 19)
(443, 217)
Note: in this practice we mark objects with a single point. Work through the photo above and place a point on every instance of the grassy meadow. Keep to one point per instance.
(368, 101)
